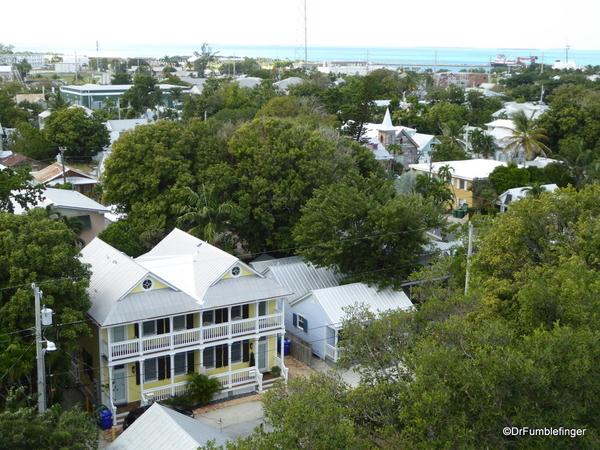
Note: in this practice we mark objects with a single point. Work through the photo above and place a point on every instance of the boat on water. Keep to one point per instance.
(511, 61)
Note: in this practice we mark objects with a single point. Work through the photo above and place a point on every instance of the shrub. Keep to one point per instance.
(201, 388)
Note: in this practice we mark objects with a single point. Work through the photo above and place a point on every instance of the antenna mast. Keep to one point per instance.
(301, 38)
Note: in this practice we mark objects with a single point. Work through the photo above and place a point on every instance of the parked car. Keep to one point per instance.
(135, 414)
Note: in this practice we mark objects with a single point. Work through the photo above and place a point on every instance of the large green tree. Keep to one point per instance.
(37, 249)
(72, 128)
(364, 230)
(277, 164)
(147, 171)
(16, 189)
(23, 428)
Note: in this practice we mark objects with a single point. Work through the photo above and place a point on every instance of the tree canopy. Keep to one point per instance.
(72, 128)
(364, 230)
(37, 249)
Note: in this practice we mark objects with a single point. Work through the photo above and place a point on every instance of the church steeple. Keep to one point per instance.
(387, 130)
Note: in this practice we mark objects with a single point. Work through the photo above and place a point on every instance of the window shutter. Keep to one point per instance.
(245, 311)
(219, 356)
(190, 362)
(160, 326)
(167, 325)
(136, 330)
(305, 325)
(295, 319)
(189, 321)
(137, 370)
(246, 351)
(162, 366)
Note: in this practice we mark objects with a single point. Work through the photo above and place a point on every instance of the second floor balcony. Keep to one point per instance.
(207, 333)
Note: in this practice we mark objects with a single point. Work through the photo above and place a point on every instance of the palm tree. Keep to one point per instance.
(433, 188)
(535, 190)
(452, 134)
(483, 144)
(579, 159)
(525, 137)
(204, 210)
(57, 101)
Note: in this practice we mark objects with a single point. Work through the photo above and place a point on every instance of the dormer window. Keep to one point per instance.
(147, 284)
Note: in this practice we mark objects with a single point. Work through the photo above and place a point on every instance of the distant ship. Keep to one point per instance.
(511, 61)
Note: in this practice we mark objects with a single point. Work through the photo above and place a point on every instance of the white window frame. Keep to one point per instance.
(185, 367)
(179, 327)
(300, 321)
(238, 348)
(152, 362)
(115, 331)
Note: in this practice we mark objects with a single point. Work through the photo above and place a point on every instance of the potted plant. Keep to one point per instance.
(276, 371)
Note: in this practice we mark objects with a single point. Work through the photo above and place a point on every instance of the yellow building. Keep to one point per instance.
(184, 307)
(463, 174)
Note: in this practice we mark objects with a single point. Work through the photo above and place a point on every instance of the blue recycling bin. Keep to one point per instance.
(105, 417)
(286, 347)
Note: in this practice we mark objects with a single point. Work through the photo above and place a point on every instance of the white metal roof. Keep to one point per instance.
(65, 199)
(192, 271)
(520, 192)
(468, 169)
(263, 263)
(163, 428)
(301, 278)
(114, 274)
(188, 262)
(333, 300)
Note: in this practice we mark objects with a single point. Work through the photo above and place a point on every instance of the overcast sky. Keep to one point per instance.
(376, 23)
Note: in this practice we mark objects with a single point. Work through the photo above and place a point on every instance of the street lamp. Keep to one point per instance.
(43, 317)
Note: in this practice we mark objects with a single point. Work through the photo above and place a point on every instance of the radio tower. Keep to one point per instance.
(301, 39)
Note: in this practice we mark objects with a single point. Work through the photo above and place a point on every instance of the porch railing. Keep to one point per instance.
(205, 334)
(331, 352)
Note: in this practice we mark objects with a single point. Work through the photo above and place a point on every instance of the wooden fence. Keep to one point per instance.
(300, 349)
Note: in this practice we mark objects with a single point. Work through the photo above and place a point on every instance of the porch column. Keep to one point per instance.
(142, 398)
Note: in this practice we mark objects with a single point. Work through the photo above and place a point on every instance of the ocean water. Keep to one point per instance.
(423, 56)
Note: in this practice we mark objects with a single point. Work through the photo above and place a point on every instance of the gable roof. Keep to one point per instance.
(514, 194)
(195, 266)
(333, 300)
(67, 199)
(192, 270)
(164, 428)
(114, 275)
(301, 278)
(54, 171)
(14, 159)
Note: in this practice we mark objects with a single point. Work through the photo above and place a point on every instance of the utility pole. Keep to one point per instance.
(62, 160)
(42, 317)
(469, 252)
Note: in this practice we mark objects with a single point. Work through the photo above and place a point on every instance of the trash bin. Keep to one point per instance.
(286, 347)
(105, 417)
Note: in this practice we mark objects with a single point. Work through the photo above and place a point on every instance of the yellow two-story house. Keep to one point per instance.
(463, 174)
(184, 307)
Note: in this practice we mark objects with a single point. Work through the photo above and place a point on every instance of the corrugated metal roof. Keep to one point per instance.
(114, 274)
(71, 199)
(301, 278)
(261, 264)
(246, 289)
(140, 306)
(188, 262)
(191, 269)
(163, 428)
(333, 300)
